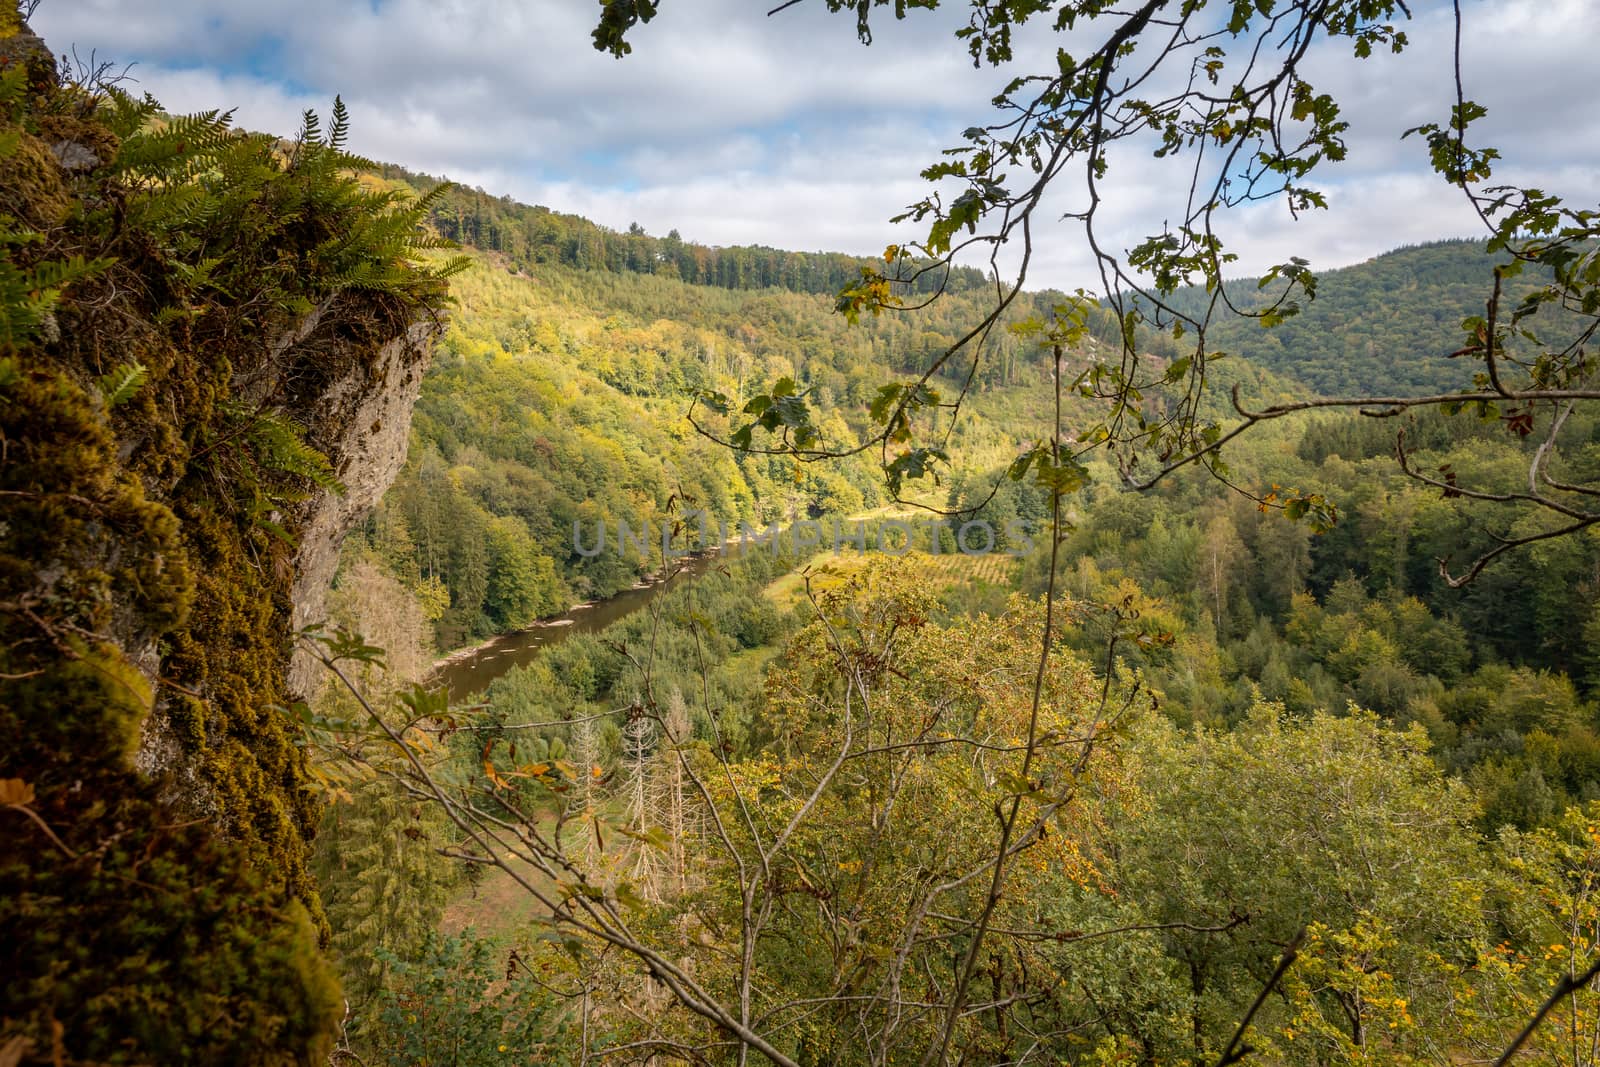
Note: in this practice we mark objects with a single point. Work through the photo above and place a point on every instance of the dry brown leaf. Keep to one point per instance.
(14, 791)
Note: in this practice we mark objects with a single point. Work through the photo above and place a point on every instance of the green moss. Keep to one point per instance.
(66, 126)
(177, 953)
(31, 188)
(90, 700)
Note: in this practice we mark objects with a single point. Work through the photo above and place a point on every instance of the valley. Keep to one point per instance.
(1227, 618)
(442, 629)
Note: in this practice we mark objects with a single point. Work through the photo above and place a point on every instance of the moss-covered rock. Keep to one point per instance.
(176, 299)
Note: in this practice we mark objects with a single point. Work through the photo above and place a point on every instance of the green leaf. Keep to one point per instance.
(915, 463)
(884, 403)
(1063, 478)
(1019, 466)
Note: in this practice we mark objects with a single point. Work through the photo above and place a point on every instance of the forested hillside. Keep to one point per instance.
(561, 398)
(1384, 327)
(1213, 656)
(1502, 673)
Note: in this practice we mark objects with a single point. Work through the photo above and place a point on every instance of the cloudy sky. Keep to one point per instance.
(735, 127)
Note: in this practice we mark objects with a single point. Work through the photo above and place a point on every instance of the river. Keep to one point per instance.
(471, 671)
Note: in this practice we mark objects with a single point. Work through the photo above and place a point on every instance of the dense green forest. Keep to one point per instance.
(1450, 738)
(560, 399)
(1502, 673)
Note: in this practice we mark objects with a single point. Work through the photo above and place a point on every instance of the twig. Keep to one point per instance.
(1567, 986)
(51, 834)
(1237, 1049)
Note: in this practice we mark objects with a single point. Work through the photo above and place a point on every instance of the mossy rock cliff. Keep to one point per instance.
(209, 344)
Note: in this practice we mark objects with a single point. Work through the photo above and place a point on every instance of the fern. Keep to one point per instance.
(13, 90)
(264, 460)
(201, 275)
(199, 187)
(341, 125)
(28, 295)
(279, 447)
(120, 385)
(177, 151)
(125, 116)
(310, 128)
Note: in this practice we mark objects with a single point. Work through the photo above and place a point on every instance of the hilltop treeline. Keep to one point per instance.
(531, 236)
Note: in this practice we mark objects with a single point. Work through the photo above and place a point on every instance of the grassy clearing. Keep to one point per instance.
(942, 573)
(497, 909)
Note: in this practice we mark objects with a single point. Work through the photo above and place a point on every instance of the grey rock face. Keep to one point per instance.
(362, 424)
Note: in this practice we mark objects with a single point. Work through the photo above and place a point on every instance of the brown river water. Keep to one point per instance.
(471, 670)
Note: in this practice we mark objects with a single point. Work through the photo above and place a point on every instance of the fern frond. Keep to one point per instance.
(124, 115)
(118, 386)
(449, 268)
(176, 152)
(279, 446)
(341, 125)
(199, 276)
(350, 161)
(13, 83)
(433, 198)
(28, 296)
(310, 129)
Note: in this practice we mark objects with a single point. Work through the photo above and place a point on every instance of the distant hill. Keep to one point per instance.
(1388, 324)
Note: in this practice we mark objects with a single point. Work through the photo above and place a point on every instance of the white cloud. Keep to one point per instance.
(737, 128)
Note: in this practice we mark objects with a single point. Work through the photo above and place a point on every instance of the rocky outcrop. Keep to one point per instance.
(360, 419)
(361, 423)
